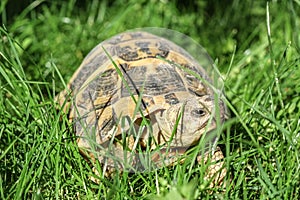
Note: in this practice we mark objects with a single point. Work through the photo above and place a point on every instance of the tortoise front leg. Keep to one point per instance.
(216, 171)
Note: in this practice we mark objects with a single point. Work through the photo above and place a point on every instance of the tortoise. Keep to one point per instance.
(136, 93)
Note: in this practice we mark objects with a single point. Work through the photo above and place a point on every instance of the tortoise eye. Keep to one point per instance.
(198, 112)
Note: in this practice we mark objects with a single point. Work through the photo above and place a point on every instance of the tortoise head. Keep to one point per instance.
(184, 123)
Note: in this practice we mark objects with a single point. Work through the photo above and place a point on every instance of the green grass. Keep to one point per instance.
(42, 46)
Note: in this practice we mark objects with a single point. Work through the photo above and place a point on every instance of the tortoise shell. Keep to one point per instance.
(144, 92)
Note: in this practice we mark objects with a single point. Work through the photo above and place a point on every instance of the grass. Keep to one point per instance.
(42, 46)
